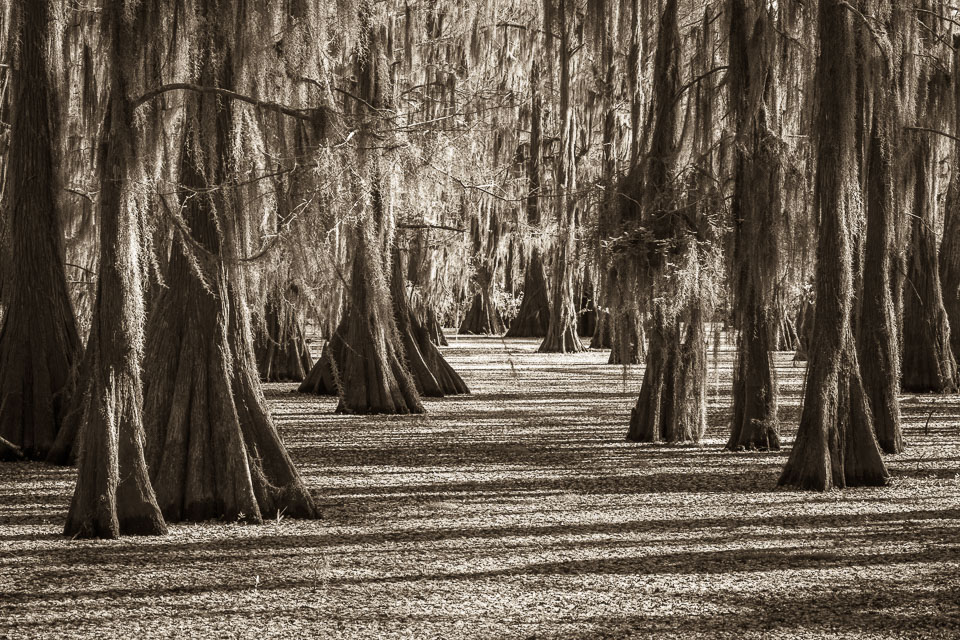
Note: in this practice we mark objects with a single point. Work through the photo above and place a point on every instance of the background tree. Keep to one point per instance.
(756, 209)
(39, 343)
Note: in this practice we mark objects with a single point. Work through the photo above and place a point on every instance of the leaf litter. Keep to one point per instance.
(517, 512)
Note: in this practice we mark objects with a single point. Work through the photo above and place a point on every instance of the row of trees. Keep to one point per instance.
(219, 170)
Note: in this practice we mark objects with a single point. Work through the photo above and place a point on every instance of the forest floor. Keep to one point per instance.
(517, 512)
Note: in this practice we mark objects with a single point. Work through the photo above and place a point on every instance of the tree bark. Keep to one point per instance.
(878, 347)
(482, 318)
(212, 448)
(835, 444)
(950, 257)
(928, 361)
(562, 334)
(672, 405)
(281, 348)
(39, 343)
(113, 495)
(533, 317)
(432, 374)
(756, 207)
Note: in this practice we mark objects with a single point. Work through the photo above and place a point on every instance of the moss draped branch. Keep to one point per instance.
(307, 115)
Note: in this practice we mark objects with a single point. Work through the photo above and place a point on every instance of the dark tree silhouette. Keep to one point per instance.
(39, 344)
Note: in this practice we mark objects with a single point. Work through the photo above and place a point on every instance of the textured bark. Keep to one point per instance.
(212, 447)
(432, 374)
(113, 495)
(601, 336)
(950, 246)
(950, 261)
(928, 361)
(755, 422)
(483, 318)
(369, 366)
(587, 313)
(878, 348)
(434, 328)
(562, 329)
(756, 206)
(533, 316)
(39, 344)
(787, 338)
(322, 379)
(672, 402)
(281, 348)
(835, 444)
(804, 323)
(672, 405)
(626, 336)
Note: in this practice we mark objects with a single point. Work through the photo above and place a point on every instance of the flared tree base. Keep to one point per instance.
(482, 318)
(281, 348)
(672, 403)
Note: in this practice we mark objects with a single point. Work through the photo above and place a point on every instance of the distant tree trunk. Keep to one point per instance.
(113, 494)
(39, 344)
(601, 335)
(950, 257)
(483, 318)
(587, 313)
(625, 323)
(787, 338)
(280, 345)
(323, 378)
(950, 246)
(364, 360)
(434, 328)
(756, 208)
(878, 348)
(212, 447)
(562, 329)
(533, 316)
(805, 317)
(432, 374)
(672, 402)
(928, 361)
(835, 444)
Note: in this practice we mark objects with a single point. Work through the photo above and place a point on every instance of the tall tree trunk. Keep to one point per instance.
(113, 495)
(432, 374)
(627, 338)
(562, 329)
(281, 348)
(533, 316)
(950, 255)
(39, 344)
(212, 447)
(756, 208)
(928, 361)
(365, 360)
(672, 402)
(878, 347)
(483, 317)
(835, 444)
